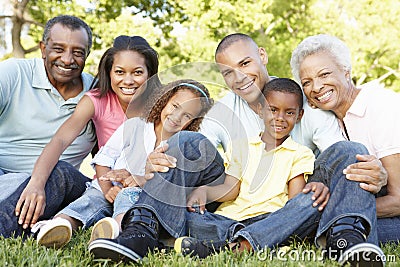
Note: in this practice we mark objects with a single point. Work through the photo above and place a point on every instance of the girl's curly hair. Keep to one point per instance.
(160, 98)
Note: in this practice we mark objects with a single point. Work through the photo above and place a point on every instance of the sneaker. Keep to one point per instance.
(131, 245)
(363, 255)
(105, 228)
(194, 247)
(54, 233)
(140, 235)
(346, 243)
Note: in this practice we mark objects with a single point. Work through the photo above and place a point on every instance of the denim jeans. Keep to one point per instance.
(388, 229)
(65, 184)
(11, 181)
(198, 163)
(92, 206)
(89, 208)
(298, 218)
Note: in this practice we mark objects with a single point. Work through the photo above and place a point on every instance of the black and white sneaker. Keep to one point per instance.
(346, 243)
(139, 236)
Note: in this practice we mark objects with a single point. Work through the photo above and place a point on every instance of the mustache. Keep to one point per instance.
(71, 66)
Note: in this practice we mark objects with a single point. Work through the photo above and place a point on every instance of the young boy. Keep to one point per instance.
(261, 176)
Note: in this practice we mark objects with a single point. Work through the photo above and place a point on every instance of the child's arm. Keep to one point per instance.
(227, 191)
(33, 194)
(296, 185)
(110, 192)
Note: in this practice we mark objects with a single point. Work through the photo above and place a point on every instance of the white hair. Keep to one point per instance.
(318, 43)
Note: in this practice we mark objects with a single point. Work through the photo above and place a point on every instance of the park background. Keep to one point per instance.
(186, 31)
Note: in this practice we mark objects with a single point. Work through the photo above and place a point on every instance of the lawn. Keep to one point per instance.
(15, 252)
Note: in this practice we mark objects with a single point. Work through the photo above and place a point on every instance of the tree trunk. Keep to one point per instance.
(17, 24)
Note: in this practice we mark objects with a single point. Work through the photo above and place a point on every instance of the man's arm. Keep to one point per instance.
(389, 205)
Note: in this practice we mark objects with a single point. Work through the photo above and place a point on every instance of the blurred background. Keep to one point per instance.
(188, 31)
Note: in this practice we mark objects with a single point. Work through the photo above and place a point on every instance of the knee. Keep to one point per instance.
(184, 137)
(61, 165)
(191, 145)
(64, 171)
(343, 151)
(347, 147)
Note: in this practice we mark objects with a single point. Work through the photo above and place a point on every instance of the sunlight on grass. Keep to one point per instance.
(16, 252)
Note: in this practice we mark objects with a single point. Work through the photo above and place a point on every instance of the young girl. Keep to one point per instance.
(123, 69)
(181, 106)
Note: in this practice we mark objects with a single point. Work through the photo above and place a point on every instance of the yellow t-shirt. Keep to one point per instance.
(264, 176)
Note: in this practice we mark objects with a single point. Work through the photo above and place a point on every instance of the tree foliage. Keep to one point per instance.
(189, 31)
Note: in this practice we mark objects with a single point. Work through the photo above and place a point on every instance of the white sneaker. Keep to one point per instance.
(53, 233)
(105, 228)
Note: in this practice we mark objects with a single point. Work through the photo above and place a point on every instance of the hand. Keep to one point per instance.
(125, 178)
(158, 161)
(197, 198)
(112, 193)
(369, 172)
(30, 205)
(321, 194)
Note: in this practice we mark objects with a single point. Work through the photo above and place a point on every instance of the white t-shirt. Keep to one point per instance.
(232, 118)
(127, 148)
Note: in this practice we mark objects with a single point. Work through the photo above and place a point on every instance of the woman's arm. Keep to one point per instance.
(64, 136)
(33, 194)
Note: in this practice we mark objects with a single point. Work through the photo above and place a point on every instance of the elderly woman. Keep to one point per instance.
(368, 115)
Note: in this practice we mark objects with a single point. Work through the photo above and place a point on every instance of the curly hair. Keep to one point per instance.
(160, 99)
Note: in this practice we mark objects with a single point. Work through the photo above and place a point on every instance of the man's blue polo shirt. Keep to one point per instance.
(31, 111)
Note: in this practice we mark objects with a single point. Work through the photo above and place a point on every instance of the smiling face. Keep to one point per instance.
(127, 74)
(242, 64)
(325, 83)
(280, 113)
(64, 54)
(181, 109)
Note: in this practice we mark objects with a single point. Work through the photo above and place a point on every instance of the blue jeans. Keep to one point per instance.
(198, 163)
(298, 217)
(92, 206)
(388, 228)
(64, 185)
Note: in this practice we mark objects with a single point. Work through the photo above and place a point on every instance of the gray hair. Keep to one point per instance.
(71, 22)
(318, 43)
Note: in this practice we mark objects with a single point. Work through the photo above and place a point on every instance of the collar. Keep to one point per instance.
(359, 105)
(40, 80)
(289, 143)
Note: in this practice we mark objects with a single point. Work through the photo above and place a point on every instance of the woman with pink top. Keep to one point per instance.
(123, 70)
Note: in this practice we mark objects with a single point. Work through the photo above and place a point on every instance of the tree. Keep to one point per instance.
(35, 13)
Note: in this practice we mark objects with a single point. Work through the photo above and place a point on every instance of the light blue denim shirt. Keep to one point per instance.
(31, 111)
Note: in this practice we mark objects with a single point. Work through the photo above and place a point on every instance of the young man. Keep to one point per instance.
(243, 66)
(37, 96)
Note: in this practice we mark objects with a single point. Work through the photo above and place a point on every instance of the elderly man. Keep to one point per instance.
(36, 97)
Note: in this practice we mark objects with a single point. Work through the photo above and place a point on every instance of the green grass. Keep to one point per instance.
(15, 252)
